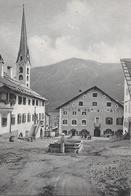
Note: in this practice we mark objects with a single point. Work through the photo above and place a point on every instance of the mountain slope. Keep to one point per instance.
(61, 81)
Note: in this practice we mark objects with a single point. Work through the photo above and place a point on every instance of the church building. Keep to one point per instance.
(22, 110)
(92, 110)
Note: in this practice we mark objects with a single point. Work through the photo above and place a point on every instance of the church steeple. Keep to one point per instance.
(23, 58)
(23, 54)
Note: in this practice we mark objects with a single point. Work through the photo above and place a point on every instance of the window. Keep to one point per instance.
(64, 122)
(28, 101)
(74, 113)
(64, 112)
(119, 121)
(43, 103)
(94, 103)
(109, 121)
(20, 77)
(33, 102)
(23, 118)
(4, 121)
(24, 100)
(94, 94)
(42, 115)
(19, 100)
(28, 117)
(3, 96)
(108, 104)
(19, 118)
(81, 103)
(12, 119)
(36, 102)
(21, 58)
(21, 70)
(83, 113)
(12, 98)
(27, 78)
(74, 122)
(27, 70)
(83, 122)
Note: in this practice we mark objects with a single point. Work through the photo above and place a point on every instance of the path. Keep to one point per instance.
(76, 186)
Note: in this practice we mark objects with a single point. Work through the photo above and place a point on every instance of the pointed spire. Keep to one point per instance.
(23, 54)
(1, 59)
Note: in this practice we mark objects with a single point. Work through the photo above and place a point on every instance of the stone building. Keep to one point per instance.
(92, 110)
(126, 65)
(22, 110)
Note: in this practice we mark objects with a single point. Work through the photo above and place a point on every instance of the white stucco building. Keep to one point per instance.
(22, 110)
(126, 65)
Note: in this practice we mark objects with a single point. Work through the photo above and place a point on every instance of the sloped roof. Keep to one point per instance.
(126, 65)
(18, 87)
(94, 87)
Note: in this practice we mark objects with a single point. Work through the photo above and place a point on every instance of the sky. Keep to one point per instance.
(99, 30)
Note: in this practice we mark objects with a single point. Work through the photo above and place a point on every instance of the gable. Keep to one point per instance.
(88, 94)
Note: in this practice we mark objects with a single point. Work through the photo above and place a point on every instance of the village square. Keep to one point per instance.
(81, 147)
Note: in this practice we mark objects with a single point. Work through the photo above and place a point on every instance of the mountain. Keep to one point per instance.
(61, 81)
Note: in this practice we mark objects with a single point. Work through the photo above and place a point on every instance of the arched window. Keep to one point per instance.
(27, 78)
(119, 121)
(23, 118)
(20, 77)
(64, 122)
(74, 122)
(21, 70)
(28, 117)
(19, 118)
(83, 122)
(109, 121)
(27, 70)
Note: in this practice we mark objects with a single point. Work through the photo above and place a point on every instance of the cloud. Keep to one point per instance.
(9, 41)
(85, 30)
(98, 30)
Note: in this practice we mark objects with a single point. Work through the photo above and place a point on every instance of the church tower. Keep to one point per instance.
(23, 64)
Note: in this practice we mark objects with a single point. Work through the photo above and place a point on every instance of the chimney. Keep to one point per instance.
(1, 66)
(9, 71)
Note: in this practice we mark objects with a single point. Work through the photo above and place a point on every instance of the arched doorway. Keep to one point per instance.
(73, 132)
(97, 132)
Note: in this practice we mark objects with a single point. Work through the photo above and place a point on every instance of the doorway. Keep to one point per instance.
(97, 132)
(73, 132)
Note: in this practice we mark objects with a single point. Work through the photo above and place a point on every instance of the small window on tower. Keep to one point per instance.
(21, 58)
(27, 70)
(20, 77)
(21, 70)
(27, 78)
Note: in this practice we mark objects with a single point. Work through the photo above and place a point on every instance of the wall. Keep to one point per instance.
(127, 107)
